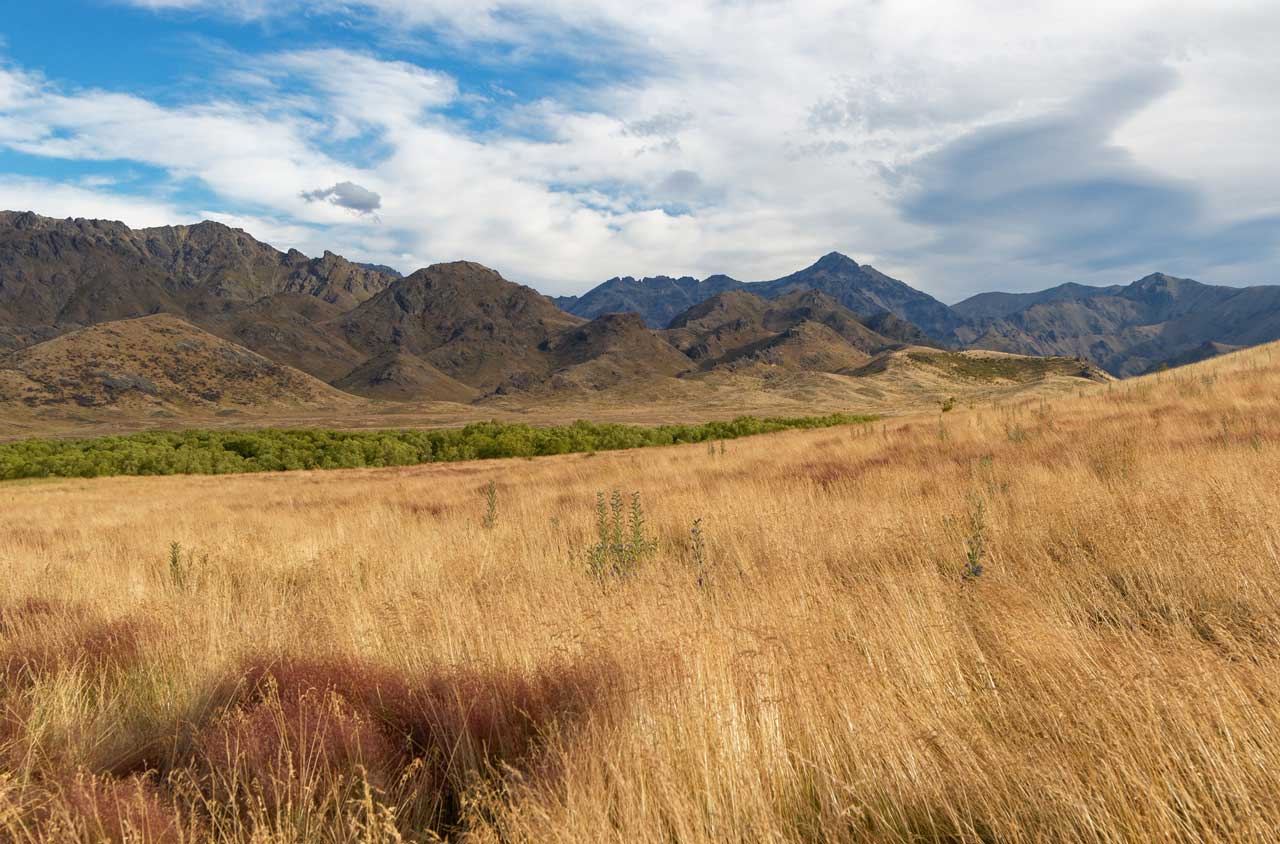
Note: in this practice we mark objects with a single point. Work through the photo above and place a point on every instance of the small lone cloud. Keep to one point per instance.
(347, 195)
(687, 188)
(682, 183)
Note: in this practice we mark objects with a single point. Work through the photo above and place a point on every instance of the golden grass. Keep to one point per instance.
(352, 656)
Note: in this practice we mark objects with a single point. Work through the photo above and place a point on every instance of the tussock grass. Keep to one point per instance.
(358, 658)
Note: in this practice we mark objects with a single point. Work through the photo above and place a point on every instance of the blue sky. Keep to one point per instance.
(961, 146)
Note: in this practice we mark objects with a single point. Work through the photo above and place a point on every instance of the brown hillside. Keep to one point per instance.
(717, 328)
(610, 351)
(398, 376)
(294, 329)
(803, 306)
(808, 346)
(804, 330)
(155, 362)
(466, 320)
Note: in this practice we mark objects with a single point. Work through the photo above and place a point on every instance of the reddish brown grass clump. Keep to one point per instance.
(116, 811)
(308, 734)
(40, 639)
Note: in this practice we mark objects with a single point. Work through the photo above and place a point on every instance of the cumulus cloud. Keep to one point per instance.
(347, 195)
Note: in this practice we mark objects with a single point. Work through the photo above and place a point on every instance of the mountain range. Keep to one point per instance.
(861, 289)
(93, 313)
(1156, 321)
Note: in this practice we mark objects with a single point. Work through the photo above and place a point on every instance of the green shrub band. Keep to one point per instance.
(273, 450)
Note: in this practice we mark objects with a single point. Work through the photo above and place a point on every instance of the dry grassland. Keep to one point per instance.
(1052, 622)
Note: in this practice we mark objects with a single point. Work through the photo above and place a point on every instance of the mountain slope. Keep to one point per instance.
(804, 305)
(984, 308)
(86, 271)
(610, 351)
(290, 328)
(806, 330)
(464, 319)
(1157, 320)
(399, 376)
(718, 328)
(154, 362)
(805, 347)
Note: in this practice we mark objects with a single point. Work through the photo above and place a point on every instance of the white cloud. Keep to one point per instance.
(246, 152)
(53, 199)
(793, 128)
(362, 91)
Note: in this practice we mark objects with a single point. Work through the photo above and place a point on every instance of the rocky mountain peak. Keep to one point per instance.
(835, 261)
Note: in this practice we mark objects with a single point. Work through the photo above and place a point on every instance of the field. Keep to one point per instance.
(1056, 620)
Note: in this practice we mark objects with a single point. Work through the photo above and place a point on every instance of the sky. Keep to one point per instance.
(960, 146)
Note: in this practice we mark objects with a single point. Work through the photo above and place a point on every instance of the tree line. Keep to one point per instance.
(204, 452)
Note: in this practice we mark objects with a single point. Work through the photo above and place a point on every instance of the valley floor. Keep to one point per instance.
(1055, 620)
(899, 385)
